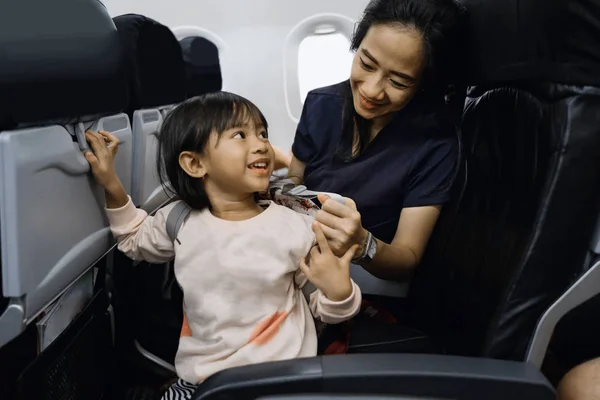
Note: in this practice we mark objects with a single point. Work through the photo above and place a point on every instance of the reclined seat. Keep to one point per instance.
(52, 224)
(157, 81)
(203, 68)
(511, 256)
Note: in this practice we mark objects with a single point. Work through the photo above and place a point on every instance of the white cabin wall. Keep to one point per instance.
(254, 33)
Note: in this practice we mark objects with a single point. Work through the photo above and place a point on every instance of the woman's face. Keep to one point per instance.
(386, 70)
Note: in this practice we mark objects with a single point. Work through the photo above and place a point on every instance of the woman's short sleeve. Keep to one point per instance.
(433, 175)
(304, 147)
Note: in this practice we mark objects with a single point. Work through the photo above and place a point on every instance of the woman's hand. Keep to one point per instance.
(341, 224)
(329, 273)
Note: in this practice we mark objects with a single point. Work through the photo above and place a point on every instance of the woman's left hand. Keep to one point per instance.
(341, 224)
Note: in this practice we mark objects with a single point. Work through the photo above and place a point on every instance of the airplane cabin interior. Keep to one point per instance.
(504, 302)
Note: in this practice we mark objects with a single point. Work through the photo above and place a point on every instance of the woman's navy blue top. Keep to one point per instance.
(402, 167)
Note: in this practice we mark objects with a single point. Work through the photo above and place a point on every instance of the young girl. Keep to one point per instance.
(241, 264)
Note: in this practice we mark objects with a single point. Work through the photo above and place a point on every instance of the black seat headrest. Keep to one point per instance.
(155, 68)
(533, 40)
(63, 61)
(201, 58)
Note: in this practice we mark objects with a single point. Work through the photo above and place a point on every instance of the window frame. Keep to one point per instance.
(305, 28)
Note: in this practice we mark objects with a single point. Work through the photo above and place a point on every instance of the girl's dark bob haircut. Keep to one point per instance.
(188, 127)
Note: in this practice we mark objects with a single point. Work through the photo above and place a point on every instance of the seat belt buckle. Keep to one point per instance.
(298, 198)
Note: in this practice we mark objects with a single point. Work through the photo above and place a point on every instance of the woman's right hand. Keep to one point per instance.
(102, 160)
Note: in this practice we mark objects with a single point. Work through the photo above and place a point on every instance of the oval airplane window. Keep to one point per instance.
(323, 59)
(316, 53)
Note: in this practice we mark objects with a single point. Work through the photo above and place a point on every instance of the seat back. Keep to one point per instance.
(528, 192)
(52, 222)
(202, 64)
(156, 77)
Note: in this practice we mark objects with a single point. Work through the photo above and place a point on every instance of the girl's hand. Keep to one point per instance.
(329, 273)
(342, 225)
(102, 161)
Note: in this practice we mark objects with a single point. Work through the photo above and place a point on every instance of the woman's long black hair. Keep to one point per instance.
(439, 22)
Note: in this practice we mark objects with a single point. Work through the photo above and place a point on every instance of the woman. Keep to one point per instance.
(381, 139)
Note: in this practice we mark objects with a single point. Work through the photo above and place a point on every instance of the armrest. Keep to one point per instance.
(343, 397)
(447, 377)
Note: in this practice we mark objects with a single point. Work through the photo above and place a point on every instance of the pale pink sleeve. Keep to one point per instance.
(140, 236)
(334, 312)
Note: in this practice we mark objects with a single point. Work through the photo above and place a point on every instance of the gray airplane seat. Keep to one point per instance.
(510, 257)
(575, 339)
(53, 226)
(156, 81)
(145, 304)
(203, 68)
(61, 72)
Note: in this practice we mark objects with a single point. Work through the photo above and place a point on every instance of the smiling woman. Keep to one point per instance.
(382, 138)
(389, 57)
(388, 120)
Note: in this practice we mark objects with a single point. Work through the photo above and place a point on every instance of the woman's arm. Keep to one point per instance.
(427, 189)
(282, 160)
(296, 171)
(397, 260)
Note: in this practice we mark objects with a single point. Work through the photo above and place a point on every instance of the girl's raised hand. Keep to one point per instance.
(102, 161)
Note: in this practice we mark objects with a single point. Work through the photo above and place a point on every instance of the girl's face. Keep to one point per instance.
(239, 161)
(386, 70)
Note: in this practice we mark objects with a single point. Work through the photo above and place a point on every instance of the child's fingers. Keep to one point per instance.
(314, 251)
(349, 255)
(91, 158)
(113, 147)
(321, 239)
(90, 137)
(96, 142)
(304, 267)
(111, 138)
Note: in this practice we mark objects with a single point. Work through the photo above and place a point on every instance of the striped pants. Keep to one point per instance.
(180, 390)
